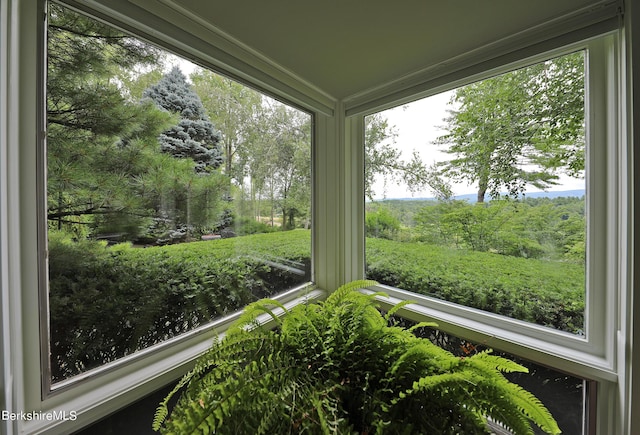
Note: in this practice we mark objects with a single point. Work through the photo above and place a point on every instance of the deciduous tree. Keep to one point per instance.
(518, 129)
(384, 161)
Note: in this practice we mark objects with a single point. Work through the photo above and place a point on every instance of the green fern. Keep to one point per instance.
(336, 367)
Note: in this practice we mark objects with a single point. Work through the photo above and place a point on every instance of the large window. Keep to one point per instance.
(494, 205)
(139, 268)
(489, 210)
(174, 196)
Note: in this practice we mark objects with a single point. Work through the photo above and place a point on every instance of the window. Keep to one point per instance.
(603, 353)
(489, 210)
(494, 206)
(174, 196)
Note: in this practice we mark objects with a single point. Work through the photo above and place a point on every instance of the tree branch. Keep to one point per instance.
(88, 35)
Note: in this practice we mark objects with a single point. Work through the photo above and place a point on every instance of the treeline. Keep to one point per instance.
(549, 228)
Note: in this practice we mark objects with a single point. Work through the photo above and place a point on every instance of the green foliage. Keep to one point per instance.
(338, 367)
(97, 139)
(381, 223)
(108, 302)
(246, 226)
(541, 228)
(236, 110)
(518, 129)
(267, 148)
(547, 293)
(194, 136)
(384, 160)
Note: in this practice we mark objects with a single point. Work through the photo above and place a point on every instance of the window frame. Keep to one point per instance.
(209, 330)
(593, 357)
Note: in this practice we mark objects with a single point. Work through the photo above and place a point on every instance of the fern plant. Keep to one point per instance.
(338, 367)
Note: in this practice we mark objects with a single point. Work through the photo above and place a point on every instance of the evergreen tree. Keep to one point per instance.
(194, 136)
(97, 139)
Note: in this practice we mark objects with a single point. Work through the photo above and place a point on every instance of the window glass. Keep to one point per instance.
(477, 195)
(174, 195)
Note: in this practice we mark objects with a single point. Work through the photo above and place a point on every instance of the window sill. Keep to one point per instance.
(533, 342)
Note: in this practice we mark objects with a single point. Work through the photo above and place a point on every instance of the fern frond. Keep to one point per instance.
(349, 288)
(424, 353)
(395, 309)
(493, 362)
(531, 406)
(247, 319)
(423, 325)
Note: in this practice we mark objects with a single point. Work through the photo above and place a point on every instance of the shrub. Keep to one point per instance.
(381, 223)
(547, 293)
(108, 302)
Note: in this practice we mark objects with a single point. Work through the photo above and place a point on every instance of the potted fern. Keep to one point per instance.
(338, 367)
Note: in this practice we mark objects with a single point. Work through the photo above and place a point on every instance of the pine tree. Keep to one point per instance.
(96, 137)
(194, 136)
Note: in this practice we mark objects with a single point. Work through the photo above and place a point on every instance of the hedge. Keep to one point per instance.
(548, 293)
(108, 302)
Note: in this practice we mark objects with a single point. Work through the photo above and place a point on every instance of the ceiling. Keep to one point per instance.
(345, 47)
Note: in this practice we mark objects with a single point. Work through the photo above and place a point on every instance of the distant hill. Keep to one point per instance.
(471, 197)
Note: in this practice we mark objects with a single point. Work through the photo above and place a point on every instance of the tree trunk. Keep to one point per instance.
(482, 190)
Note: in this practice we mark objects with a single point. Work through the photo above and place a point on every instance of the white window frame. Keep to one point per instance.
(217, 326)
(595, 356)
(602, 187)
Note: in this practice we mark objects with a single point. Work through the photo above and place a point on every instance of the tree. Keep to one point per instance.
(382, 159)
(292, 163)
(279, 166)
(518, 129)
(236, 110)
(96, 138)
(194, 136)
(186, 189)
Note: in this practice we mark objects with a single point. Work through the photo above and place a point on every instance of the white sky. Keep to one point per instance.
(418, 124)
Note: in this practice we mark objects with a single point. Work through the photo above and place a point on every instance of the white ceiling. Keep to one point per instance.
(345, 47)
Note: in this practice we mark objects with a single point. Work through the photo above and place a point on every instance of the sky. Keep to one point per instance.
(418, 124)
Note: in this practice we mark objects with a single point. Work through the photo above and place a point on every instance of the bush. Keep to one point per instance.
(246, 226)
(381, 223)
(108, 302)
